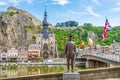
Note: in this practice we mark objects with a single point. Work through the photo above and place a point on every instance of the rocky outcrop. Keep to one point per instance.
(16, 26)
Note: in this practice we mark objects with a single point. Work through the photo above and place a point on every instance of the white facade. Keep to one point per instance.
(12, 54)
(47, 46)
(4, 56)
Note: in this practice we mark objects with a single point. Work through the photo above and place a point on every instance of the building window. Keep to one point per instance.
(45, 47)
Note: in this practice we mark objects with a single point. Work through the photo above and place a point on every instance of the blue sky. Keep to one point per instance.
(82, 11)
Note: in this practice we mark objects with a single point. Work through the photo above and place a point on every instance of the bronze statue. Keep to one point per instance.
(70, 51)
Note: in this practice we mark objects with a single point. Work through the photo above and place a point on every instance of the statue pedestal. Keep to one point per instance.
(71, 76)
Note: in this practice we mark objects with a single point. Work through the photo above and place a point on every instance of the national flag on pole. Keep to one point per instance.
(107, 27)
(90, 41)
(82, 45)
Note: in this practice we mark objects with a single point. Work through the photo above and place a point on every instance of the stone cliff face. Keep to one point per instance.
(16, 27)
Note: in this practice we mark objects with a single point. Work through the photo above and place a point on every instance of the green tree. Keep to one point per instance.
(67, 24)
(33, 37)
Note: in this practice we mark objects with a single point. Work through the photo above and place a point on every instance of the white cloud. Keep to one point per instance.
(60, 2)
(118, 3)
(115, 9)
(72, 15)
(90, 11)
(2, 3)
(15, 2)
(96, 2)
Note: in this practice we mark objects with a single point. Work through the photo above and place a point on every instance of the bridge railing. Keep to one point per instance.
(113, 57)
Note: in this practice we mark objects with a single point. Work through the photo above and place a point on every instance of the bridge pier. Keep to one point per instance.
(95, 64)
(90, 64)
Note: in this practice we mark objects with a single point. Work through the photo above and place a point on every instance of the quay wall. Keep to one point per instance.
(91, 74)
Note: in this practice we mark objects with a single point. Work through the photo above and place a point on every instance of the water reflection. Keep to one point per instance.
(22, 70)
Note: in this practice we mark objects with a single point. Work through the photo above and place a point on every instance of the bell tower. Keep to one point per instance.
(45, 25)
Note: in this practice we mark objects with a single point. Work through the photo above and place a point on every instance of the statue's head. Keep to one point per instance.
(70, 37)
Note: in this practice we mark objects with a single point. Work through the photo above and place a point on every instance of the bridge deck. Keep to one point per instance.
(104, 57)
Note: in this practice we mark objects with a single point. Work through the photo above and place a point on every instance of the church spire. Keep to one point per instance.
(45, 25)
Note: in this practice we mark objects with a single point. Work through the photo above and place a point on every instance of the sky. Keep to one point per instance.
(82, 11)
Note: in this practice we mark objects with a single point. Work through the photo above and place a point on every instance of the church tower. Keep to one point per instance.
(46, 41)
(45, 26)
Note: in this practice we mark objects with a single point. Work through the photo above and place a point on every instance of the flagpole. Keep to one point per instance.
(105, 17)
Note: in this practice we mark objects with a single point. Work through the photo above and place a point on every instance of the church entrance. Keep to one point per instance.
(45, 55)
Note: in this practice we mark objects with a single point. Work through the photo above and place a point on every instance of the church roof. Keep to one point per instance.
(45, 23)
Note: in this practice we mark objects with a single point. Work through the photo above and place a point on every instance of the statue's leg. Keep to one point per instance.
(72, 64)
(68, 63)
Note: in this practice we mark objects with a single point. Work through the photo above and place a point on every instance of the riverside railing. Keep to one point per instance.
(112, 57)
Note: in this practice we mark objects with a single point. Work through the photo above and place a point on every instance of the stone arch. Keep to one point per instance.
(45, 55)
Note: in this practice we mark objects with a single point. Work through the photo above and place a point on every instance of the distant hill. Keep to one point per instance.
(17, 26)
(67, 24)
(80, 34)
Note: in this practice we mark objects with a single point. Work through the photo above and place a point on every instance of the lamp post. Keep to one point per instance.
(102, 50)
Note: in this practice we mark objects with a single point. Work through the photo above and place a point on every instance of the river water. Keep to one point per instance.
(23, 70)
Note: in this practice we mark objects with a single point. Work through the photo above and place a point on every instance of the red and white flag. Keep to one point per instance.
(107, 27)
